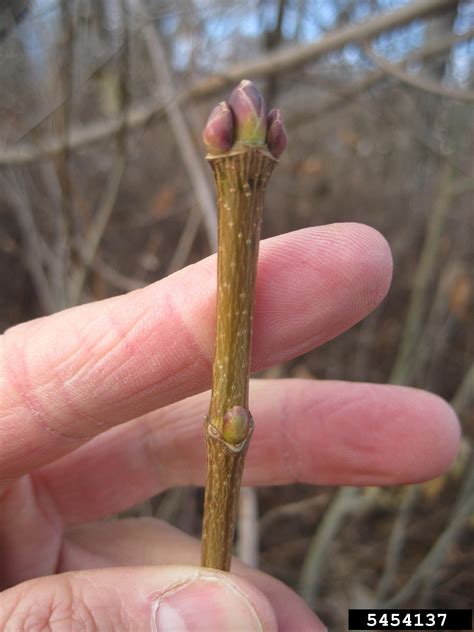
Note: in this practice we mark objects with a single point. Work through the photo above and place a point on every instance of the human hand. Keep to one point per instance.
(93, 420)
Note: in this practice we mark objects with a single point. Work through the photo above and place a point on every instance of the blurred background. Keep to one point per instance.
(104, 188)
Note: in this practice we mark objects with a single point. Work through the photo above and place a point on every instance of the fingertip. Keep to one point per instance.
(364, 261)
(375, 260)
(212, 600)
(418, 436)
(439, 436)
(324, 280)
(162, 598)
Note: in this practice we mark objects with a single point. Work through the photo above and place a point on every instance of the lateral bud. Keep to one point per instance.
(218, 135)
(277, 138)
(236, 425)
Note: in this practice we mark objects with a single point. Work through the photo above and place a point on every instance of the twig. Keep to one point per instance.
(462, 186)
(425, 572)
(290, 510)
(461, 513)
(346, 93)
(243, 148)
(58, 264)
(403, 365)
(186, 146)
(465, 392)
(102, 217)
(32, 248)
(344, 502)
(115, 278)
(185, 242)
(433, 559)
(239, 231)
(396, 542)
(420, 83)
(265, 66)
(284, 60)
(247, 527)
(96, 231)
(435, 335)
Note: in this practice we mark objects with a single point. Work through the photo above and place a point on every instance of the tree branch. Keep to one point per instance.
(191, 159)
(96, 231)
(265, 66)
(420, 83)
(32, 247)
(346, 93)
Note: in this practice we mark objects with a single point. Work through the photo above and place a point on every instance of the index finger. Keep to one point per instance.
(70, 376)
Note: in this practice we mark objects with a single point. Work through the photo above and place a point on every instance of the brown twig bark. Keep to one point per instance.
(241, 179)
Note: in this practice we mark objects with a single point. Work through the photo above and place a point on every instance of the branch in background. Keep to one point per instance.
(57, 201)
(291, 59)
(439, 325)
(396, 542)
(343, 504)
(79, 137)
(290, 510)
(186, 146)
(97, 229)
(57, 173)
(266, 66)
(420, 83)
(32, 246)
(465, 392)
(346, 93)
(89, 248)
(185, 242)
(405, 362)
(115, 278)
(403, 365)
(426, 570)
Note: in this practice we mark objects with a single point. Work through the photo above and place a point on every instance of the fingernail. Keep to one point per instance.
(205, 606)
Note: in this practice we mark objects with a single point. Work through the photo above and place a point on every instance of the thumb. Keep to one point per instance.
(161, 599)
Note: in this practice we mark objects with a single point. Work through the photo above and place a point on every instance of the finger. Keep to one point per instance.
(140, 599)
(306, 431)
(151, 541)
(70, 376)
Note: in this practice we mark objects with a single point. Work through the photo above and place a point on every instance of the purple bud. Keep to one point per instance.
(219, 130)
(236, 425)
(250, 114)
(276, 137)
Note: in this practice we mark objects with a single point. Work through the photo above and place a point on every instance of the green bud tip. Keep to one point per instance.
(218, 133)
(244, 120)
(250, 114)
(277, 138)
(236, 425)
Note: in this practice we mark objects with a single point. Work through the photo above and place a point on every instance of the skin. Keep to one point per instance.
(93, 420)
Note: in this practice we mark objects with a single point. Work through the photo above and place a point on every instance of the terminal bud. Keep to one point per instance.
(250, 114)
